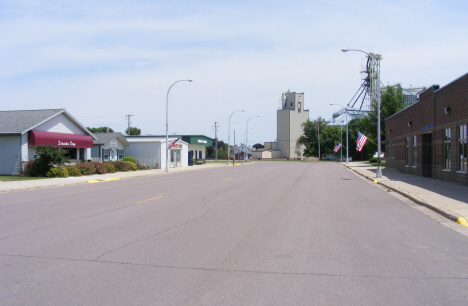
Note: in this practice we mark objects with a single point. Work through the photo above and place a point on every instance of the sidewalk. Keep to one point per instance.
(10, 186)
(448, 199)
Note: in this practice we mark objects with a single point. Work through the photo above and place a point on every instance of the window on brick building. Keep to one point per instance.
(447, 138)
(462, 147)
(406, 151)
(414, 150)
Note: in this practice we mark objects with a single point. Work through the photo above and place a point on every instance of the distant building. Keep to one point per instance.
(290, 118)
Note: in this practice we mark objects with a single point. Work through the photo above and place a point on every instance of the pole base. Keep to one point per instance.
(379, 172)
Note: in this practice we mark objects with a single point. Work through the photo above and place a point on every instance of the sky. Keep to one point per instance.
(103, 60)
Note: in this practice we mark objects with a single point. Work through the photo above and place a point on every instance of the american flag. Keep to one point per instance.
(361, 141)
(337, 147)
(173, 143)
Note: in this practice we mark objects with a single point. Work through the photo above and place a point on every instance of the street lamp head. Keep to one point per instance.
(345, 50)
(190, 80)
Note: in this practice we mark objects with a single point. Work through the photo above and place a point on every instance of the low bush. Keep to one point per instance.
(109, 167)
(124, 166)
(73, 170)
(57, 172)
(156, 166)
(86, 168)
(373, 159)
(99, 168)
(130, 158)
(143, 167)
(26, 171)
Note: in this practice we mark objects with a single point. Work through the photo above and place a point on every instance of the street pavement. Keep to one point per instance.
(446, 198)
(265, 233)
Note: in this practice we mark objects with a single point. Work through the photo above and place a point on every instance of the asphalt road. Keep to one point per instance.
(266, 233)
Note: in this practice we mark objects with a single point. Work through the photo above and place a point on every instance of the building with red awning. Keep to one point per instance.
(22, 130)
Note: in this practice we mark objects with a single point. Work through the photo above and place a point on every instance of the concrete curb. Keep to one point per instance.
(442, 211)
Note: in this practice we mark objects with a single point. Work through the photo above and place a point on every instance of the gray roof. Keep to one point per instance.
(20, 121)
(103, 138)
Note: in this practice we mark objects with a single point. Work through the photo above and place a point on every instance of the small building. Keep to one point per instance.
(109, 147)
(241, 151)
(22, 130)
(151, 150)
(429, 138)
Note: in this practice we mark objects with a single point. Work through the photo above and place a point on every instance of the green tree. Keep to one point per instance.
(222, 150)
(45, 158)
(392, 100)
(102, 129)
(329, 135)
(354, 126)
(133, 131)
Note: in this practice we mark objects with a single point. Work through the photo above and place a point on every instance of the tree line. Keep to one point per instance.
(392, 100)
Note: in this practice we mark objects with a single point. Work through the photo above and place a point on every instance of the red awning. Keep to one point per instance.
(60, 139)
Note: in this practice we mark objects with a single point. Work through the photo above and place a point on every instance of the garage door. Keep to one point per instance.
(10, 155)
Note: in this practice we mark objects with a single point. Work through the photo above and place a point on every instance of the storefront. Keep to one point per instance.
(22, 130)
(151, 150)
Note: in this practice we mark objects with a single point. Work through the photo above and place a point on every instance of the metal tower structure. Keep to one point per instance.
(362, 99)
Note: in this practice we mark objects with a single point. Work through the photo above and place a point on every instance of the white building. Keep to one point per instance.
(151, 150)
(22, 130)
(290, 118)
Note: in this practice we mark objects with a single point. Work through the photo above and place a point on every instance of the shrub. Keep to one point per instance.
(27, 168)
(109, 167)
(46, 157)
(373, 159)
(100, 168)
(86, 168)
(143, 167)
(130, 158)
(124, 166)
(73, 170)
(156, 166)
(57, 172)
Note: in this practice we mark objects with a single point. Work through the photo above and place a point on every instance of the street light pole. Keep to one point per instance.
(229, 133)
(167, 124)
(247, 137)
(346, 110)
(377, 65)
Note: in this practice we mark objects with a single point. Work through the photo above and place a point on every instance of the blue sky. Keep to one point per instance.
(102, 60)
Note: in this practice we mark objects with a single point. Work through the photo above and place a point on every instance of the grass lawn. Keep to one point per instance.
(7, 178)
(382, 164)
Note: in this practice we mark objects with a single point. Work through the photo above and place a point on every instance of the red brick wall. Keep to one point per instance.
(428, 116)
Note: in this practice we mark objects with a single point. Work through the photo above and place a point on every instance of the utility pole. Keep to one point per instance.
(318, 135)
(128, 119)
(216, 140)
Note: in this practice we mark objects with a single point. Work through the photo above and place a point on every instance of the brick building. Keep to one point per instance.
(429, 138)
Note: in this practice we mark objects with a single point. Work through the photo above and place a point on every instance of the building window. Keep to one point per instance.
(447, 138)
(414, 150)
(291, 104)
(299, 107)
(462, 147)
(406, 151)
(105, 154)
(120, 154)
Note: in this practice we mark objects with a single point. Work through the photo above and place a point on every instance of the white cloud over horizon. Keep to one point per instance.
(104, 60)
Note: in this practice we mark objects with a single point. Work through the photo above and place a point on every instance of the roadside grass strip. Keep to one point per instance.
(108, 180)
(149, 199)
